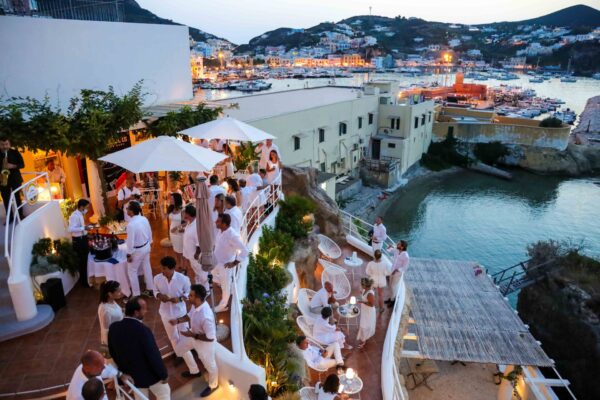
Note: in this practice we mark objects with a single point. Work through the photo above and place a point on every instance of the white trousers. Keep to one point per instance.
(223, 277)
(174, 338)
(394, 282)
(140, 259)
(206, 354)
(335, 351)
(200, 275)
(376, 246)
(162, 391)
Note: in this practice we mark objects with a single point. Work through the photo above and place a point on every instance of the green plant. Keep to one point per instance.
(65, 256)
(186, 117)
(47, 253)
(265, 276)
(490, 153)
(42, 266)
(291, 215)
(275, 244)
(175, 176)
(551, 122)
(107, 218)
(513, 377)
(445, 152)
(244, 155)
(67, 207)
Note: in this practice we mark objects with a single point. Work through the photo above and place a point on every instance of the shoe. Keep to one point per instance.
(207, 392)
(188, 374)
(388, 301)
(391, 304)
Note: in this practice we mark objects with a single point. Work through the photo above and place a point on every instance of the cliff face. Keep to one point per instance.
(574, 161)
(564, 317)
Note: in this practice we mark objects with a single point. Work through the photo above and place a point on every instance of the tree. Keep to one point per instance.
(490, 153)
(551, 122)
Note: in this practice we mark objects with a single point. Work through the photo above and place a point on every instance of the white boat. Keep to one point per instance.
(596, 75)
(568, 78)
(536, 80)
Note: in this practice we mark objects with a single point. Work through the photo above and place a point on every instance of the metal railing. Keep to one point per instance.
(359, 229)
(520, 275)
(263, 204)
(122, 393)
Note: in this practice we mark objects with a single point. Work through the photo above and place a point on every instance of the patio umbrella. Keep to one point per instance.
(227, 128)
(164, 153)
(204, 225)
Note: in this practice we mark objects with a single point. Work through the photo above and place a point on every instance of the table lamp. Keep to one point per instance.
(350, 374)
(352, 300)
(354, 256)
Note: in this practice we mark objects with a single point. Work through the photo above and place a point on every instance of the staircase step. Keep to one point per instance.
(11, 328)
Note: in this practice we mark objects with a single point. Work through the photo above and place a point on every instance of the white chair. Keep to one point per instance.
(304, 298)
(308, 393)
(306, 326)
(329, 248)
(314, 367)
(336, 275)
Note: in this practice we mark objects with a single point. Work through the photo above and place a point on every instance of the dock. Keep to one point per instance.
(588, 130)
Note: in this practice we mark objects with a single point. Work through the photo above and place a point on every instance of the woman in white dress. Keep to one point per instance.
(273, 168)
(329, 389)
(175, 226)
(368, 313)
(377, 270)
(108, 310)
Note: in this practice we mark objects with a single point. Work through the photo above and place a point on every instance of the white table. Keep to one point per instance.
(353, 264)
(353, 386)
(112, 272)
(348, 315)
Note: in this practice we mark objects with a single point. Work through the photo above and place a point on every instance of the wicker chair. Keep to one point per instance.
(306, 326)
(308, 393)
(337, 276)
(329, 248)
(304, 298)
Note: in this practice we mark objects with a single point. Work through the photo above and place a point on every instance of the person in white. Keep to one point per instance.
(253, 179)
(78, 232)
(139, 240)
(235, 212)
(213, 190)
(109, 310)
(368, 313)
(191, 246)
(249, 193)
(399, 267)
(201, 336)
(172, 289)
(56, 175)
(379, 234)
(92, 365)
(126, 194)
(265, 149)
(228, 253)
(317, 358)
(324, 297)
(326, 333)
(330, 389)
(378, 271)
(274, 168)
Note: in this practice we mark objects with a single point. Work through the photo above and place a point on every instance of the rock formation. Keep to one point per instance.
(306, 255)
(574, 161)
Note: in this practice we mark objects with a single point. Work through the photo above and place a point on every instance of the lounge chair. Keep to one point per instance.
(304, 298)
(337, 276)
(308, 393)
(329, 248)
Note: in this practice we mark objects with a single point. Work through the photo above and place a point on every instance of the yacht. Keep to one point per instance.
(568, 78)
(536, 80)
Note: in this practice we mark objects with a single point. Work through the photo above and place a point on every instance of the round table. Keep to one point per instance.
(353, 264)
(343, 313)
(353, 386)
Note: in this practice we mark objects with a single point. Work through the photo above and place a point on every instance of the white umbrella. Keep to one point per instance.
(227, 128)
(165, 153)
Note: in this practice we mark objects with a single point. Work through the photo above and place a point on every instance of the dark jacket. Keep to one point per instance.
(14, 157)
(133, 347)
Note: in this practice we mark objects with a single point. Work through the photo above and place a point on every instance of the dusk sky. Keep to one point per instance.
(241, 20)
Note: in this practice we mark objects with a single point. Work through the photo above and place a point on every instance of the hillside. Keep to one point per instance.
(575, 16)
(134, 13)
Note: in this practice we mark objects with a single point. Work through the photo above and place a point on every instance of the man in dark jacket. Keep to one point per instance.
(133, 348)
(11, 174)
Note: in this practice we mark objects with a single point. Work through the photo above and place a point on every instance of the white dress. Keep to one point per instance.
(107, 314)
(177, 237)
(377, 271)
(321, 395)
(368, 318)
(273, 176)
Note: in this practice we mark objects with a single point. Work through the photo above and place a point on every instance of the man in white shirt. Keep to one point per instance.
(379, 234)
(92, 365)
(253, 179)
(56, 175)
(139, 240)
(213, 190)
(399, 267)
(191, 245)
(126, 194)
(93, 389)
(324, 297)
(78, 232)
(229, 252)
(327, 333)
(201, 336)
(172, 289)
(317, 358)
(235, 212)
(249, 193)
(265, 149)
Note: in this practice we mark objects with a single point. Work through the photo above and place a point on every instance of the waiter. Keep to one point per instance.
(80, 240)
(202, 336)
(126, 194)
(139, 239)
(56, 175)
(229, 250)
(11, 162)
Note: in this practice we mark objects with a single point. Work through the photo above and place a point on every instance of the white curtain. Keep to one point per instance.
(95, 189)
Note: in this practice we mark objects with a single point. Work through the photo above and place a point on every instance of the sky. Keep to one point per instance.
(241, 20)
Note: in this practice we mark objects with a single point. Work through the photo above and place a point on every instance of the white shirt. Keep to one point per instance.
(213, 191)
(190, 240)
(379, 233)
(125, 192)
(202, 321)
(107, 314)
(265, 152)
(236, 218)
(76, 224)
(229, 246)
(254, 180)
(57, 175)
(322, 328)
(179, 286)
(273, 176)
(320, 299)
(138, 233)
(312, 356)
(79, 379)
(401, 260)
(248, 195)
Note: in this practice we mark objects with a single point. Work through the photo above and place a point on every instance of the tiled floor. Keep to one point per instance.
(47, 358)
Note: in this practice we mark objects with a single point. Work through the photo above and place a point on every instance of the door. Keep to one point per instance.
(376, 149)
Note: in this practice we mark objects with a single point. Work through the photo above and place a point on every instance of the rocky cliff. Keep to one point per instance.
(574, 161)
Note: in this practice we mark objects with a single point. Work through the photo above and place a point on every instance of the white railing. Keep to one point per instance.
(359, 229)
(13, 212)
(122, 393)
(263, 204)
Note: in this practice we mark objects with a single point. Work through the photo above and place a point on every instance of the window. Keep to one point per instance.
(395, 124)
(416, 122)
(323, 167)
(321, 135)
(422, 119)
(429, 116)
(343, 129)
(296, 143)
(391, 145)
(359, 122)
(370, 118)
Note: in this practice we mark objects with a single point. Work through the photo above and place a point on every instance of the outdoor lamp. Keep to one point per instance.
(350, 374)
(352, 300)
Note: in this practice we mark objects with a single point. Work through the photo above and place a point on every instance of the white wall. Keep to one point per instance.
(59, 57)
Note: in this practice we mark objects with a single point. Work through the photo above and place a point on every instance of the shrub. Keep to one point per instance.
(291, 213)
(434, 163)
(44, 259)
(276, 245)
(551, 122)
(265, 276)
(445, 152)
(490, 153)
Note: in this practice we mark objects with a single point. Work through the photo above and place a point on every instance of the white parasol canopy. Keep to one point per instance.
(229, 129)
(165, 153)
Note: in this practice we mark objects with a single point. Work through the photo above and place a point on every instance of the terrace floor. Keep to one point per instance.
(47, 358)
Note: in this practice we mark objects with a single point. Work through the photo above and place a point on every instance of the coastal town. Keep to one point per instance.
(201, 219)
